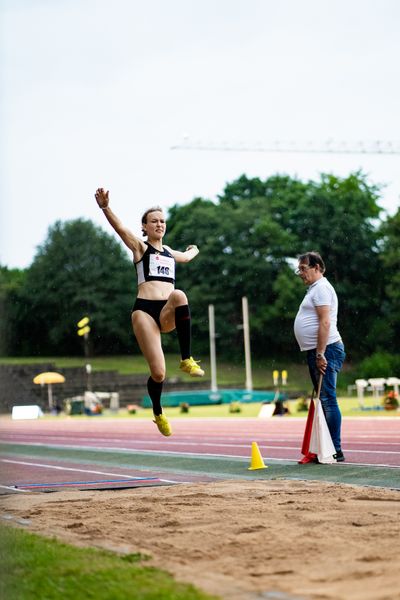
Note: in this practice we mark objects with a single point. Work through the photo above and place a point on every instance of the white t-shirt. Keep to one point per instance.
(320, 293)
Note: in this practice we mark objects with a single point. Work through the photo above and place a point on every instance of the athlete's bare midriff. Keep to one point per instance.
(155, 290)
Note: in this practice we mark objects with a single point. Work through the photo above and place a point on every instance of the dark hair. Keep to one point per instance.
(148, 211)
(312, 259)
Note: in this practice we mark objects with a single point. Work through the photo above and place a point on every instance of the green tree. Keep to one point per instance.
(390, 259)
(79, 270)
(338, 217)
(249, 240)
(11, 282)
(242, 251)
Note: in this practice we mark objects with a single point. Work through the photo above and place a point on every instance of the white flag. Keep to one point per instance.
(321, 442)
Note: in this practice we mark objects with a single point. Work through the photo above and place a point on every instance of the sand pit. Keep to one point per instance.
(240, 540)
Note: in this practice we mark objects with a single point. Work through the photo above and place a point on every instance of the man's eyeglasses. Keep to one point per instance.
(303, 269)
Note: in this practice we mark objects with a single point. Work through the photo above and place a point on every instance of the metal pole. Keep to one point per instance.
(213, 362)
(246, 335)
(50, 394)
(89, 377)
(86, 344)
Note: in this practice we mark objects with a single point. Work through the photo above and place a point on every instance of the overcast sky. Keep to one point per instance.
(95, 93)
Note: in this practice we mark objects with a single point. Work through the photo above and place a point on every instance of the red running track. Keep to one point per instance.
(366, 440)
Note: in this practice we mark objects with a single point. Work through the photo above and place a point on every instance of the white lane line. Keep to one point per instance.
(211, 455)
(106, 448)
(223, 441)
(46, 466)
(171, 443)
(8, 487)
(182, 438)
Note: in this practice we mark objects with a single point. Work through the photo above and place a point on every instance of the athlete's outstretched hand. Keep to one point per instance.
(191, 251)
(102, 198)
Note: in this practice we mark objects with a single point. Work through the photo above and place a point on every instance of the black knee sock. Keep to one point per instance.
(183, 329)
(155, 388)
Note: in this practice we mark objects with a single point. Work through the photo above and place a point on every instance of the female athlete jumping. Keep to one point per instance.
(159, 308)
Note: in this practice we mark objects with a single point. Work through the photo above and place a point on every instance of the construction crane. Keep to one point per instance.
(330, 146)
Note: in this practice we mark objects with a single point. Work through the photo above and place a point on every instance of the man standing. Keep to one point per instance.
(316, 332)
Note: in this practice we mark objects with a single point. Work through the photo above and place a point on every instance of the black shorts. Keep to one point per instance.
(151, 307)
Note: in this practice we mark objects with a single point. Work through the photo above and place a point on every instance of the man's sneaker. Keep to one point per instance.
(189, 365)
(163, 425)
(339, 456)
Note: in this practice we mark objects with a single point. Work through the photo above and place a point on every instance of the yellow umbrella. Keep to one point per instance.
(49, 377)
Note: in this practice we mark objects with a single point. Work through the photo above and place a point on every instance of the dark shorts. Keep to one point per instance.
(151, 307)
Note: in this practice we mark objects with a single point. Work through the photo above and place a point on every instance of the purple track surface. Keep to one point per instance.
(371, 441)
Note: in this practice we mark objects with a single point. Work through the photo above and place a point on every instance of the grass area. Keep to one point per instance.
(36, 568)
(228, 373)
(125, 364)
(349, 408)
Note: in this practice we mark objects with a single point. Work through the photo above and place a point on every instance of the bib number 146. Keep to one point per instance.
(162, 270)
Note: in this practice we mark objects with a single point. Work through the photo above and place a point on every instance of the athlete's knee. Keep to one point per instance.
(157, 374)
(179, 298)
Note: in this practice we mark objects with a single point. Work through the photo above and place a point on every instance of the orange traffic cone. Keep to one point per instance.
(257, 461)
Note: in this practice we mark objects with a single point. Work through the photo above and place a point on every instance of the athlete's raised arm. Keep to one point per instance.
(130, 239)
(184, 257)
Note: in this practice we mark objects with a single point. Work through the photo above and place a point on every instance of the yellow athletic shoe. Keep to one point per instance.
(189, 365)
(163, 425)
